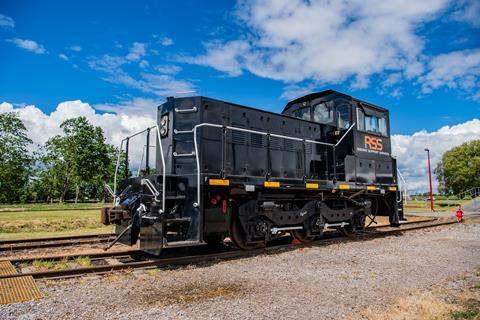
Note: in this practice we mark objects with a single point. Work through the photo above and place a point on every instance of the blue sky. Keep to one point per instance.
(419, 59)
(106, 27)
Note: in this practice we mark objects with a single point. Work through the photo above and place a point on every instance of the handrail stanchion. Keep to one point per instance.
(126, 157)
(164, 169)
(147, 155)
(119, 154)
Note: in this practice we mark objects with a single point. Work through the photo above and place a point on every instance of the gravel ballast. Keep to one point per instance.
(322, 282)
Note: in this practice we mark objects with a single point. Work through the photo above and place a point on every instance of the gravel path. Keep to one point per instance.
(322, 282)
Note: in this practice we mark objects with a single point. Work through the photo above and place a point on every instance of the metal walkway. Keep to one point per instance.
(16, 289)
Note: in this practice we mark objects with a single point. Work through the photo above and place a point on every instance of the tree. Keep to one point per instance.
(459, 169)
(15, 159)
(77, 161)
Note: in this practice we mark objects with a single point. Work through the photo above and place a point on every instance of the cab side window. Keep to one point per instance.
(302, 113)
(323, 112)
(343, 116)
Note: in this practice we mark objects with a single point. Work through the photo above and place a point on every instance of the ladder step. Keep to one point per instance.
(182, 131)
(178, 220)
(175, 197)
(178, 155)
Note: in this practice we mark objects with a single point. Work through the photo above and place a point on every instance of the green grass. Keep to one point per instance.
(37, 224)
(49, 206)
(44, 265)
(471, 311)
(83, 261)
(440, 205)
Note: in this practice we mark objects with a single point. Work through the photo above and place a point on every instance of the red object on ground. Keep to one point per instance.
(459, 214)
(296, 242)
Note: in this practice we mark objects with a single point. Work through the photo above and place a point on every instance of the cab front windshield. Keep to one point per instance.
(372, 121)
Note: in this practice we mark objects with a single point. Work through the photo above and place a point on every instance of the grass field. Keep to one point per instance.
(49, 206)
(440, 205)
(33, 224)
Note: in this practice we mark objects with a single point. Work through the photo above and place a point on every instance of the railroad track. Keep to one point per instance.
(206, 256)
(52, 242)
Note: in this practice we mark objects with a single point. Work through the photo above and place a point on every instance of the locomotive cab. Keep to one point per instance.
(226, 170)
(365, 155)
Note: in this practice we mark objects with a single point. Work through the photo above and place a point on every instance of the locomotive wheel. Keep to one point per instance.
(348, 232)
(237, 235)
(302, 235)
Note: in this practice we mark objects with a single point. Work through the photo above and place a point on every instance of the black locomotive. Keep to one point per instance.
(226, 170)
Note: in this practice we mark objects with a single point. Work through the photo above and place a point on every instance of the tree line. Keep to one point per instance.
(459, 169)
(72, 165)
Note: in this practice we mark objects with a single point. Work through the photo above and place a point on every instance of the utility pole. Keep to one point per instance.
(430, 181)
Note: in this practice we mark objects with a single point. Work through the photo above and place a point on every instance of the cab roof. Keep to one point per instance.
(334, 94)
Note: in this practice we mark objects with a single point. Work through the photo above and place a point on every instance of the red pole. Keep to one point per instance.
(430, 180)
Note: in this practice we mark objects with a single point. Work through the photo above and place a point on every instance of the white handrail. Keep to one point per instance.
(115, 200)
(164, 169)
(116, 173)
(405, 186)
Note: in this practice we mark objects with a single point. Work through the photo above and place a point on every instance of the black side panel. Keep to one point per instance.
(383, 171)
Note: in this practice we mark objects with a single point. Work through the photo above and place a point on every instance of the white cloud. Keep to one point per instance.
(166, 41)
(144, 64)
(63, 57)
(467, 11)
(28, 45)
(225, 57)
(75, 48)
(120, 120)
(293, 91)
(412, 159)
(6, 21)
(168, 69)
(324, 41)
(455, 70)
(137, 51)
(158, 84)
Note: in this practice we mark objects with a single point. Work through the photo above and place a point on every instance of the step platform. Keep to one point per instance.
(16, 289)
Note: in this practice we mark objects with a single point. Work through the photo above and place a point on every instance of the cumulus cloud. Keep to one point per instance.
(117, 120)
(324, 41)
(6, 21)
(467, 11)
(28, 45)
(412, 158)
(454, 70)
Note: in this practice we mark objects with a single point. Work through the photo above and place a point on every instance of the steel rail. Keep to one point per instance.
(177, 261)
(51, 244)
(56, 257)
(71, 237)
